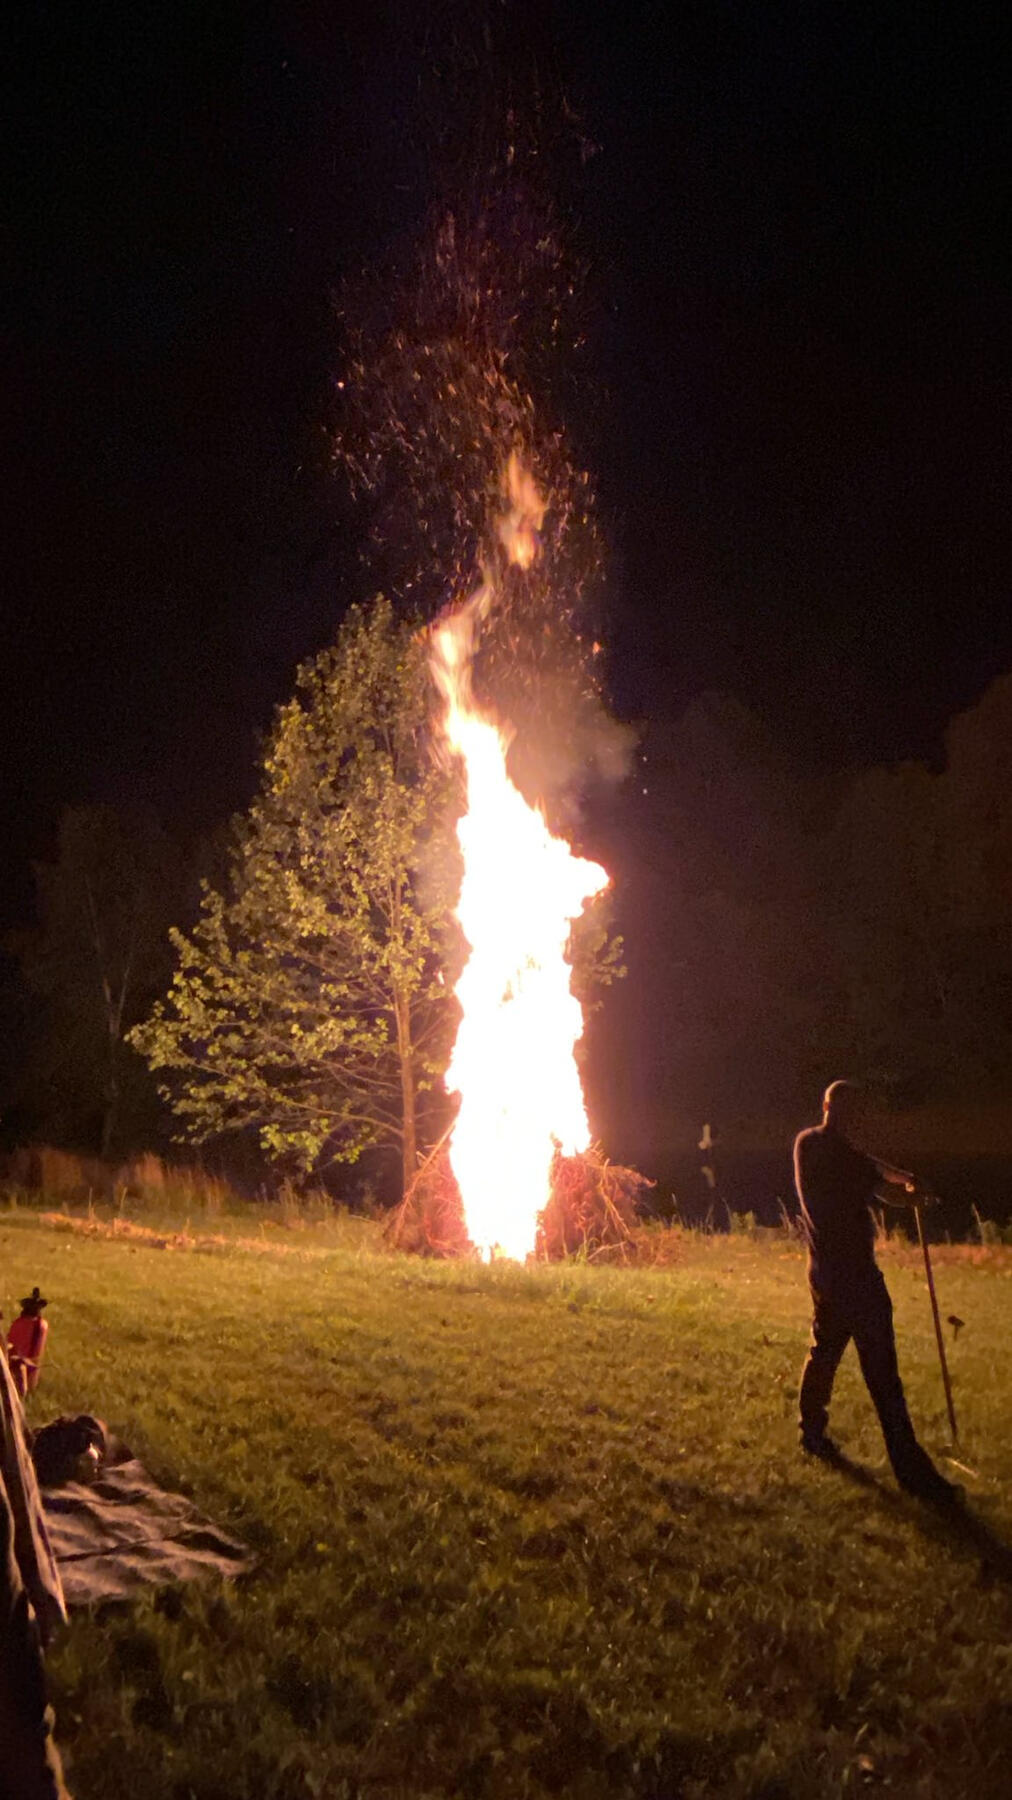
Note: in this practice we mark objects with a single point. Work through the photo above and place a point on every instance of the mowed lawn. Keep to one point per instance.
(526, 1532)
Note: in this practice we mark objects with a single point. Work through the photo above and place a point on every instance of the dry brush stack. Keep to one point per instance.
(592, 1211)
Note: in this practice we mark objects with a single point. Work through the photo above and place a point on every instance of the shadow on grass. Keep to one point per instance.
(954, 1524)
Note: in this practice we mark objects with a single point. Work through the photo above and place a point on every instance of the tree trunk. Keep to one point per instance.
(409, 1145)
(110, 1117)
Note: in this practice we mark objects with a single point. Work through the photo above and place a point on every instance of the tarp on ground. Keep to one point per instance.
(124, 1531)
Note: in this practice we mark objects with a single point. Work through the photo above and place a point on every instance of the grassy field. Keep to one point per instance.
(526, 1532)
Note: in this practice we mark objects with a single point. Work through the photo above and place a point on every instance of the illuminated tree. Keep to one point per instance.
(309, 1002)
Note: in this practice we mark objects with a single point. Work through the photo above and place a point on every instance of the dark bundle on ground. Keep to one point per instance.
(429, 1220)
(593, 1209)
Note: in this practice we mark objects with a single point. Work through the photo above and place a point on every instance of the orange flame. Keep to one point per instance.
(518, 528)
(513, 1064)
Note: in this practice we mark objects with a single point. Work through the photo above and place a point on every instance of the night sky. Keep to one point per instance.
(794, 225)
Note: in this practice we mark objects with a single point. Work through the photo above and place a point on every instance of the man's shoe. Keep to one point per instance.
(935, 1492)
(821, 1447)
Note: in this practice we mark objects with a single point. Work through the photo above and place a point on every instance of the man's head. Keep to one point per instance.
(843, 1106)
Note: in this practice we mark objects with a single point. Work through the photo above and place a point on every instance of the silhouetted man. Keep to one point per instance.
(836, 1185)
(31, 1604)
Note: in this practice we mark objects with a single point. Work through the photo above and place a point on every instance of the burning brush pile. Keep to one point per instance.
(518, 1176)
(591, 1210)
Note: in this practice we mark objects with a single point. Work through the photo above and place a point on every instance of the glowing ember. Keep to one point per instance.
(513, 1062)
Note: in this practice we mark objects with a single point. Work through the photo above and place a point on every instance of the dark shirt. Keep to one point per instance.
(836, 1185)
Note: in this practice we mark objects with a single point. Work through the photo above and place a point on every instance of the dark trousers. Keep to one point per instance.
(864, 1313)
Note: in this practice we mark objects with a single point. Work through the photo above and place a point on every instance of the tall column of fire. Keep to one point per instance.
(513, 1063)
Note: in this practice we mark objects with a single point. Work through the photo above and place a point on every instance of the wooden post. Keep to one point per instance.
(938, 1328)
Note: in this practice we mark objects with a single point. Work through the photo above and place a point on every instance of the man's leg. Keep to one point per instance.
(830, 1337)
(875, 1342)
(29, 1761)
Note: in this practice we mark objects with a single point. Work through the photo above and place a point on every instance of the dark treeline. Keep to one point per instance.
(784, 927)
(88, 968)
(780, 928)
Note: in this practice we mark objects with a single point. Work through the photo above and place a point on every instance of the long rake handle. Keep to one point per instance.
(938, 1327)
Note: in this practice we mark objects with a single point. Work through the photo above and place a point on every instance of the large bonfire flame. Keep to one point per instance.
(513, 1064)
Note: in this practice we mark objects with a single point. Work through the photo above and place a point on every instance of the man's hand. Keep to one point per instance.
(920, 1196)
(913, 1193)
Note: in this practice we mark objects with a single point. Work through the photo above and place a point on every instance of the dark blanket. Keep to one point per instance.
(122, 1531)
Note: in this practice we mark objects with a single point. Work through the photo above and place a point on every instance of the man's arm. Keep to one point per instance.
(913, 1193)
(896, 1177)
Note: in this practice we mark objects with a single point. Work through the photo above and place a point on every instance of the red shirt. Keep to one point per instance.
(26, 1337)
